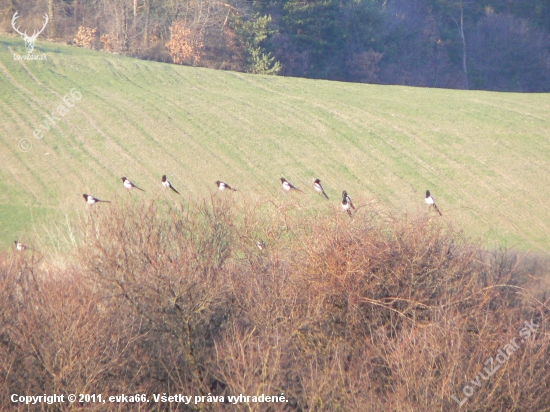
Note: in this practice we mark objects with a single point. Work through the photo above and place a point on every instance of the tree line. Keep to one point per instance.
(469, 44)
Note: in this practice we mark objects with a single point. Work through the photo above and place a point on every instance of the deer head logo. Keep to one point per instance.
(29, 40)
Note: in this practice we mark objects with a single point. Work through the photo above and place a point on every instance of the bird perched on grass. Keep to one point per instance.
(167, 185)
(223, 186)
(260, 244)
(129, 185)
(347, 205)
(319, 188)
(287, 186)
(20, 246)
(91, 200)
(431, 201)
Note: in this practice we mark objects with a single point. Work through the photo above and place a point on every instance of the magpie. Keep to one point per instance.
(130, 185)
(91, 200)
(223, 186)
(347, 205)
(260, 244)
(431, 201)
(287, 186)
(166, 183)
(20, 246)
(319, 188)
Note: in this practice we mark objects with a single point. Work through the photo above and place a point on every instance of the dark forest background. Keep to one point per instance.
(490, 44)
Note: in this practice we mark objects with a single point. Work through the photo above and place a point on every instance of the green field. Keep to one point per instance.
(485, 156)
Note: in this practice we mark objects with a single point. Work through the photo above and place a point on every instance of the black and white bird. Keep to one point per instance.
(91, 200)
(347, 205)
(431, 201)
(223, 186)
(319, 188)
(287, 186)
(20, 246)
(129, 185)
(260, 244)
(167, 185)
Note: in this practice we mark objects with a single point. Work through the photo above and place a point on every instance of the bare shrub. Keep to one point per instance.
(59, 337)
(357, 315)
(167, 270)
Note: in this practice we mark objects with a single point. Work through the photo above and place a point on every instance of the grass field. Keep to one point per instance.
(485, 156)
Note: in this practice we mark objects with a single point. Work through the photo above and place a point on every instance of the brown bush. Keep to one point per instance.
(109, 42)
(337, 314)
(59, 336)
(185, 45)
(85, 37)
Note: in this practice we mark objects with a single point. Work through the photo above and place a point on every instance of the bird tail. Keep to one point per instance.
(325, 194)
(139, 188)
(438, 211)
(104, 201)
(349, 213)
(174, 190)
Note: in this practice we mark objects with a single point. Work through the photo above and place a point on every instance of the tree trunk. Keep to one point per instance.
(52, 33)
(75, 11)
(461, 32)
(147, 4)
(124, 28)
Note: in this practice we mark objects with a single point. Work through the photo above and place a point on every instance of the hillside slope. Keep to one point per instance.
(485, 156)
